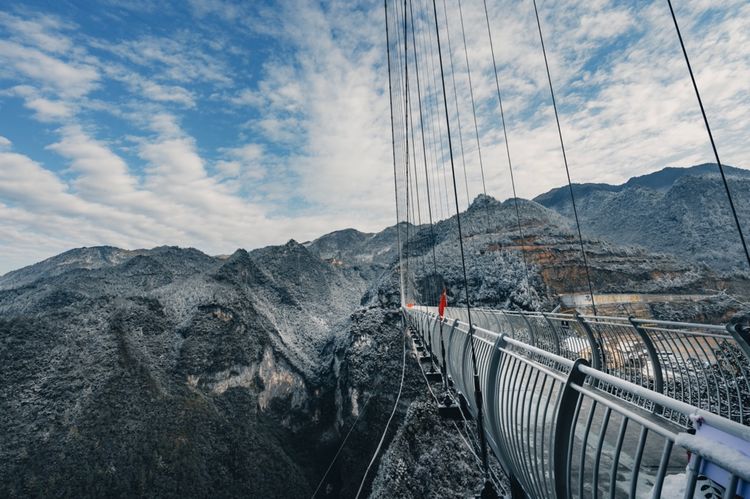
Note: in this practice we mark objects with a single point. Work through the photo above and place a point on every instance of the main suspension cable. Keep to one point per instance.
(400, 152)
(710, 135)
(565, 160)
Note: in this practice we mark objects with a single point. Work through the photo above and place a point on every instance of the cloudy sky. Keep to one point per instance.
(219, 124)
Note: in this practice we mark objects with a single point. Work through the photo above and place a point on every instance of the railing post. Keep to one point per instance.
(512, 328)
(739, 328)
(653, 355)
(493, 419)
(478, 400)
(467, 369)
(564, 429)
(598, 361)
(532, 331)
(444, 367)
(555, 336)
(484, 315)
(429, 337)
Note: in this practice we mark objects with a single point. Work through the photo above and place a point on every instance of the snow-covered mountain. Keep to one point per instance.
(172, 373)
(682, 211)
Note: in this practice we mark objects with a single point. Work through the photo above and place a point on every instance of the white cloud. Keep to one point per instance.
(147, 88)
(229, 168)
(247, 97)
(42, 31)
(622, 87)
(45, 109)
(102, 174)
(245, 161)
(317, 129)
(177, 202)
(179, 58)
(49, 110)
(67, 79)
(5, 143)
(227, 10)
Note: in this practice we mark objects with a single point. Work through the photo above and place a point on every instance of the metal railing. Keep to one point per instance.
(706, 366)
(561, 428)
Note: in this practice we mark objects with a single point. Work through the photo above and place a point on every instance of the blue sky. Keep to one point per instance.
(219, 124)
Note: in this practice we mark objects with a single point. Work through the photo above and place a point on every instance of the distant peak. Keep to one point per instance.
(483, 200)
(239, 253)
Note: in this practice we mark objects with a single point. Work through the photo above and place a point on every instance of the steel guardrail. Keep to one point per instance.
(561, 428)
(703, 365)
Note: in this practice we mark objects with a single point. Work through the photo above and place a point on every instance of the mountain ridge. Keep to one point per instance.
(657, 180)
(173, 367)
(683, 212)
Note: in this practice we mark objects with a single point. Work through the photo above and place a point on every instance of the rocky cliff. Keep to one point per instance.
(680, 211)
(171, 373)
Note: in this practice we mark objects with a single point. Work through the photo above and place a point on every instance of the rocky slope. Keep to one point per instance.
(353, 248)
(499, 258)
(171, 373)
(168, 372)
(681, 211)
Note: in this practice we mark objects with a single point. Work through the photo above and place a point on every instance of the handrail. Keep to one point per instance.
(705, 365)
(561, 428)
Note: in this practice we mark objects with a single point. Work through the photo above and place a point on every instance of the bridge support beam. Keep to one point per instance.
(653, 355)
(565, 429)
(597, 358)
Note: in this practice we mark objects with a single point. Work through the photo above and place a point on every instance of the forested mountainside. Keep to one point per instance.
(172, 373)
(681, 211)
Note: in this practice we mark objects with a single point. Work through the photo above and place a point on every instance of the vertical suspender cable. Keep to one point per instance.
(415, 179)
(436, 105)
(458, 112)
(393, 146)
(399, 115)
(424, 148)
(434, 292)
(406, 139)
(565, 160)
(403, 151)
(710, 135)
(412, 177)
(471, 93)
(415, 175)
(473, 104)
(507, 145)
(423, 112)
(477, 388)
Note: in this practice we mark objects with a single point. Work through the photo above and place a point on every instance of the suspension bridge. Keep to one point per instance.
(565, 404)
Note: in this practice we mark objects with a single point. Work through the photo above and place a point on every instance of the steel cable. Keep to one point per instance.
(505, 136)
(710, 134)
(388, 424)
(565, 160)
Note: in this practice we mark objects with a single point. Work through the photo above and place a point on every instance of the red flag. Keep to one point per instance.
(443, 303)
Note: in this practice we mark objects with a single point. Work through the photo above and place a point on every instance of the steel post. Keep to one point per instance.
(564, 429)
